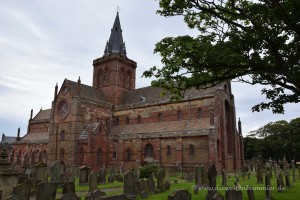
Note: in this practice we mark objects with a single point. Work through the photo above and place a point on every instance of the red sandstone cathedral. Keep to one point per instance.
(111, 123)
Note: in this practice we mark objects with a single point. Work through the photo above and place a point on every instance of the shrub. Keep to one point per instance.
(146, 170)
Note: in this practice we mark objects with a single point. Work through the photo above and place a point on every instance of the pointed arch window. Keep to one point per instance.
(168, 150)
(99, 156)
(191, 150)
(149, 150)
(62, 135)
(179, 115)
(199, 114)
(114, 156)
(160, 117)
(139, 119)
(62, 154)
(81, 155)
(116, 121)
(128, 155)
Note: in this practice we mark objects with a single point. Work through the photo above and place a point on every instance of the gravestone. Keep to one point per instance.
(57, 170)
(212, 184)
(294, 172)
(41, 171)
(249, 175)
(111, 178)
(102, 176)
(161, 180)
(143, 185)
(280, 183)
(22, 191)
(259, 177)
(230, 194)
(287, 179)
(22, 178)
(8, 179)
(250, 193)
(83, 174)
(224, 179)
(68, 188)
(268, 187)
(144, 195)
(65, 177)
(199, 175)
(180, 195)
(151, 184)
(46, 191)
(276, 169)
(93, 179)
(239, 195)
(129, 184)
(167, 185)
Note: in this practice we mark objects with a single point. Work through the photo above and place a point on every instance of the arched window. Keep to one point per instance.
(139, 119)
(62, 135)
(116, 121)
(179, 115)
(149, 150)
(160, 117)
(26, 160)
(114, 155)
(62, 154)
(191, 150)
(81, 155)
(99, 156)
(199, 114)
(128, 155)
(122, 77)
(45, 156)
(129, 79)
(41, 156)
(32, 158)
(127, 120)
(168, 150)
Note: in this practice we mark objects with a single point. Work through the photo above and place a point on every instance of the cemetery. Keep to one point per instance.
(269, 180)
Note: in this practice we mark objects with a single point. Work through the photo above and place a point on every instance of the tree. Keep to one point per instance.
(278, 139)
(254, 42)
(251, 147)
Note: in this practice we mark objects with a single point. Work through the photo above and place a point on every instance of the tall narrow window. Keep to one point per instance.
(149, 150)
(114, 155)
(127, 120)
(62, 154)
(99, 156)
(179, 115)
(81, 155)
(199, 113)
(128, 155)
(116, 121)
(62, 135)
(160, 117)
(168, 150)
(139, 119)
(191, 150)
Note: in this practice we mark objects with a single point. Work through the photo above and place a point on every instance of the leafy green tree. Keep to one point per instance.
(278, 139)
(251, 147)
(254, 42)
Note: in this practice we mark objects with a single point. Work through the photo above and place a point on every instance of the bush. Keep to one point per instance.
(145, 171)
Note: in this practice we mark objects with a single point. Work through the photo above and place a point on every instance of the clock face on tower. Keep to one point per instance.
(63, 109)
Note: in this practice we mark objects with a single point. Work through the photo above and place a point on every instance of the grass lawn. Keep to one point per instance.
(292, 193)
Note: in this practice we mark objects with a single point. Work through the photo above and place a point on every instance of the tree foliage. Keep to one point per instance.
(276, 139)
(254, 42)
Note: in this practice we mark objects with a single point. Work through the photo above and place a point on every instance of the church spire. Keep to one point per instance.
(115, 43)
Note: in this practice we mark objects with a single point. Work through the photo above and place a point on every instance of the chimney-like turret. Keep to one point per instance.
(18, 134)
(55, 92)
(31, 114)
(240, 126)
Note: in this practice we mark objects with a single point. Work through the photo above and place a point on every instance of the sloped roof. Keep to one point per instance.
(43, 115)
(162, 127)
(90, 127)
(42, 137)
(8, 139)
(152, 95)
(86, 91)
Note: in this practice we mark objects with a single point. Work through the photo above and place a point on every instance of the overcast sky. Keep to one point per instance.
(44, 42)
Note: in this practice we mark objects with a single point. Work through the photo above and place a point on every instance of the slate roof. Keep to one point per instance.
(115, 43)
(86, 91)
(162, 127)
(7, 139)
(43, 115)
(87, 128)
(35, 138)
(152, 95)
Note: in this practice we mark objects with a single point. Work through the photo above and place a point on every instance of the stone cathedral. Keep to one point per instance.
(111, 123)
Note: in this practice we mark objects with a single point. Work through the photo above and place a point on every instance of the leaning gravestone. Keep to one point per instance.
(46, 191)
(93, 181)
(22, 191)
(41, 171)
(83, 174)
(102, 176)
(180, 195)
(161, 180)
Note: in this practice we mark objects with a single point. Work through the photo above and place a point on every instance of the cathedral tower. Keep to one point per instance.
(114, 73)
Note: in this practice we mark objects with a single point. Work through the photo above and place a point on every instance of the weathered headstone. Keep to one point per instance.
(151, 184)
(287, 179)
(46, 191)
(129, 184)
(83, 174)
(102, 176)
(199, 175)
(8, 179)
(144, 195)
(224, 179)
(167, 185)
(143, 184)
(41, 171)
(65, 177)
(259, 177)
(294, 172)
(212, 184)
(57, 170)
(230, 194)
(68, 188)
(93, 181)
(22, 191)
(250, 193)
(161, 180)
(180, 195)
(280, 183)
(268, 187)
(276, 169)
(111, 178)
